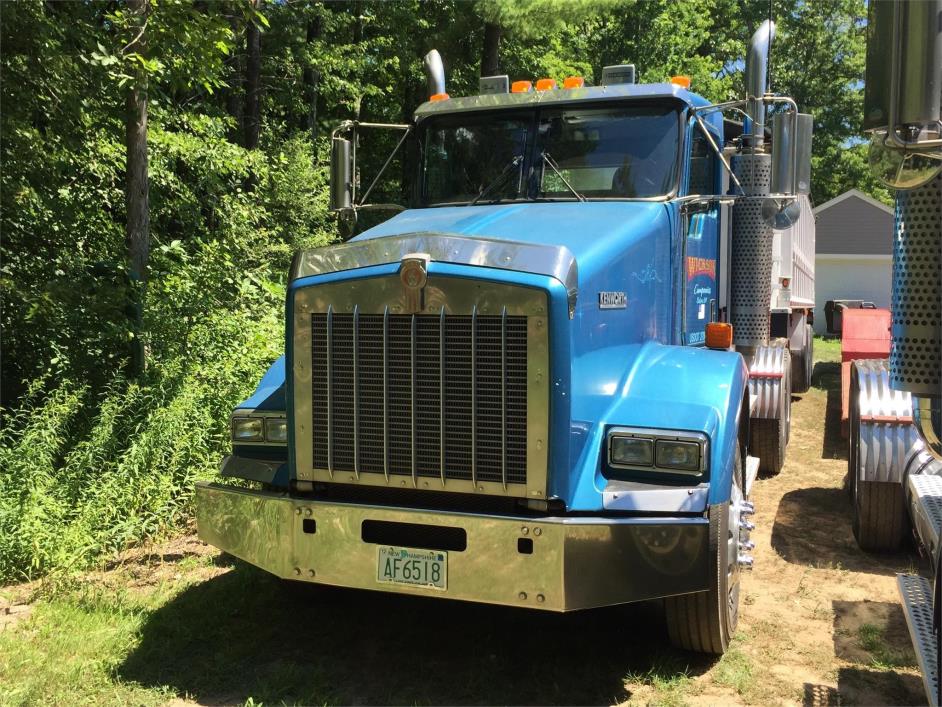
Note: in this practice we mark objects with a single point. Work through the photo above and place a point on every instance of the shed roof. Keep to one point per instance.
(854, 224)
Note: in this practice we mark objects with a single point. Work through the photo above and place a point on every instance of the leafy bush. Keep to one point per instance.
(90, 461)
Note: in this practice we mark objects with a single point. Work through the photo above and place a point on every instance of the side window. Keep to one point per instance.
(702, 165)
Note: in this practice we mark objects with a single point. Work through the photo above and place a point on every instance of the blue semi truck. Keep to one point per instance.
(550, 381)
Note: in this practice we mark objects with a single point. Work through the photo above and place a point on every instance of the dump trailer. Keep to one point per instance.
(792, 304)
(893, 383)
(549, 381)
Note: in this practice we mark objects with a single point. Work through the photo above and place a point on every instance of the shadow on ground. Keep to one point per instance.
(813, 527)
(241, 635)
(827, 377)
(872, 635)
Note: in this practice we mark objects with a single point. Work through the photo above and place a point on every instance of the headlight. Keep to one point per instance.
(631, 451)
(276, 430)
(672, 454)
(657, 450)
(247, 429)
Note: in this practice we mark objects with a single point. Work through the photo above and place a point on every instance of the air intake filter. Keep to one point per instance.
(915, 358)
(751, 271)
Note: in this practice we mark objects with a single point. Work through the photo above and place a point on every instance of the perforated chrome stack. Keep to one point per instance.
(751, 276)
(915, 358)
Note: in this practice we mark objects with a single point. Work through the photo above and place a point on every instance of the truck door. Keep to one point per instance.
(701, 225)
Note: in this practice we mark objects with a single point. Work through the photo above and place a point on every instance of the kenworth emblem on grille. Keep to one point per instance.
(414, 274)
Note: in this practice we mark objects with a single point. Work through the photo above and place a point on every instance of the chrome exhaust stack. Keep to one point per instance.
(434, 72)
(757, 79)
(903, 108)
(916, 352)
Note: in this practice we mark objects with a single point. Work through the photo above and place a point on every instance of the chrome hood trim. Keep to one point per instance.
(554, 261)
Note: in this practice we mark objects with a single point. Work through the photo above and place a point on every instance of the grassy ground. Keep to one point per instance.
(820, 624)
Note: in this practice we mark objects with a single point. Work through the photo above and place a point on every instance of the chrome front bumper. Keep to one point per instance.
(575, 563)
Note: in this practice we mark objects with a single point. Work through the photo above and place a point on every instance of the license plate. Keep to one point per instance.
(414, 568)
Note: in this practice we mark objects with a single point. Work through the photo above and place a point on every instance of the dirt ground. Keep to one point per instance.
(823, 619)
(820, 622)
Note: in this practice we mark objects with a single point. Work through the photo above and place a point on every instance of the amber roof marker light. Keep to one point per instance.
(521, 87)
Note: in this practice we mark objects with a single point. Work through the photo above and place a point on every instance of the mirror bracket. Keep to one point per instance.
(343, 169)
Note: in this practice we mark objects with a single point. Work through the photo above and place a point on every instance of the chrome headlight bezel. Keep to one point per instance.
(267, 424)
(659, 437)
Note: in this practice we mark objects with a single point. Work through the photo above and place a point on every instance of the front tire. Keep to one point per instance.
(706, 621)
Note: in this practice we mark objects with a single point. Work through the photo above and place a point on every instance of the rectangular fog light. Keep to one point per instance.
(276, 430)
(632, 451)
(673, 454)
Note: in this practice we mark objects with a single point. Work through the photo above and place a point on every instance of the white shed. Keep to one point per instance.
(853, 252)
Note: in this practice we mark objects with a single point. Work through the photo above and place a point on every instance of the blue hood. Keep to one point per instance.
(592, 231)
(619, 246)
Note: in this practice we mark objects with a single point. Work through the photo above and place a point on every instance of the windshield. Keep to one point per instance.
(469, 157)
(602, 153)
(610, 153)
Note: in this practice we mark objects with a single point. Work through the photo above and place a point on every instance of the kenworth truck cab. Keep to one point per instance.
(524, 389)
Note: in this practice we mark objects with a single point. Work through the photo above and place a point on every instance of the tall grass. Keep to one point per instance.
(81, 477)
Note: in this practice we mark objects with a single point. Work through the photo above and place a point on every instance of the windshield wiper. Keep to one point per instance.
(500, 179)
(553, 166)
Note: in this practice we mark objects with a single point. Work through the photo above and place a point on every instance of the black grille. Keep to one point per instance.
(381, 383)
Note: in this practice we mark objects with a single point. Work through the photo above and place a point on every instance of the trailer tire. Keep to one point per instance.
(802, 365)
(706, 621)
(769, 436)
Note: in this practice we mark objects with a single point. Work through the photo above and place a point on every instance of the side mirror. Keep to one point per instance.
(791, 168)
(904, 64)
(341, 174)
(791, 153)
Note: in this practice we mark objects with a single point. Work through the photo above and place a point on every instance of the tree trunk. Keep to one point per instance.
(137, 190)
(234, 92)
(357, 22)
(490, 57)
(253, 71)
(312, 79)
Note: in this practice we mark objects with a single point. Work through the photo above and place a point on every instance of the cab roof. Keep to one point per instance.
(571, 96)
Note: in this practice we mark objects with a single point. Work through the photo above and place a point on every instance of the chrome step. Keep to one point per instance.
(916, 596)
(752, 470)
(925, 498)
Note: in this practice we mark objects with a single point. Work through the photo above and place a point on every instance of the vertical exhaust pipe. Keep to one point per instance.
(434, 72)
(757, 78)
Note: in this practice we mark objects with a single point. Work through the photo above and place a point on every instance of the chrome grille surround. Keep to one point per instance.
(368, 380)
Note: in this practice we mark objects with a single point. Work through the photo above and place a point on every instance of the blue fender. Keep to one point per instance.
(668, 387)
(270, 392)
